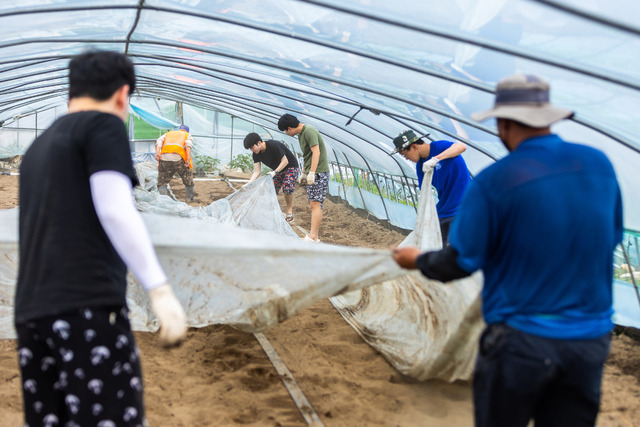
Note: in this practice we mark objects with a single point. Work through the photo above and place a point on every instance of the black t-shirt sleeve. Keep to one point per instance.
(107, 147)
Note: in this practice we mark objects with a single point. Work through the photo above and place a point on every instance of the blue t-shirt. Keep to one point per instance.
(542, 224)
(450, 178)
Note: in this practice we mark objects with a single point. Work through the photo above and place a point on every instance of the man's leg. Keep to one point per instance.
(316, 219)
(288, 186)
(574, 397)
(41, 399)
(288, 199)
(186, 174)
(445, 226)
(513, 371)
(166, 170)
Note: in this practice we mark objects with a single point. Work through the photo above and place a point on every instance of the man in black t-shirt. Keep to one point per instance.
(278, 157)
(79, 231)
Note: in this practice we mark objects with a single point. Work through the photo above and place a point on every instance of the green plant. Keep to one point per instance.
(242, 161)
(205, 163)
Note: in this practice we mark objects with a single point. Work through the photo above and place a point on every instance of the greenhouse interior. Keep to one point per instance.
(360, 71)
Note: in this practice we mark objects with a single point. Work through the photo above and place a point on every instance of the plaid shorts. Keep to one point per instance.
(318, 191)
(286, 180)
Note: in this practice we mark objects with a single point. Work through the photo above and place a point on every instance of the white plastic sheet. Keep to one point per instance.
(246, 277)
(424, 328)
(226, 268)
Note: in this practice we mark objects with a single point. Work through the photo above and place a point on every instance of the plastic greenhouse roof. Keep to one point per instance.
(360, 71)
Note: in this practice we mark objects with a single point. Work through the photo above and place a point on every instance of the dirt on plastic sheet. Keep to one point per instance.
(222, 377)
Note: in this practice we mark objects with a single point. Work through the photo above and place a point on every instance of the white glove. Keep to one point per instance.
(430, 164)
(272, 173)
(311, 178)
(299, 180)
(167, 308)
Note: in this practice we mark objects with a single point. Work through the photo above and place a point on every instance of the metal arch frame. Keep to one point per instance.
(29, 96)
(329, 134)
(497, 47)
(42, 109)
(23, 64)
(317, 118)
(344, 189)
(141, 6)
(38, 98)
(274, 115)
(590, 16)
(289, 69)
(387, 113)
(29, 103)
(405, 25)
(434, 127)
(22, 98)
(35, 74)
(134, 25)
(437, 111)
(338, 141)
(334, 138)
(19, 88)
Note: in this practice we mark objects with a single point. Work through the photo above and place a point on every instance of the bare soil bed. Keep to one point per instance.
(221, 376)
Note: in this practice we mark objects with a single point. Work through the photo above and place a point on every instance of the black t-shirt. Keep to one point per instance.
(66, 260)
(273, 155)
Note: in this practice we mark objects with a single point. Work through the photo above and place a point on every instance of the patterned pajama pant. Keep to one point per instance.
(286, 180)
(81, 369)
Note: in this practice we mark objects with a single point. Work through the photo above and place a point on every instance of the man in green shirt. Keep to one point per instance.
(315, 169)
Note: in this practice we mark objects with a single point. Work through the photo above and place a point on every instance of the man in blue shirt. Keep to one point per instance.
(542, 224)
(450, 175)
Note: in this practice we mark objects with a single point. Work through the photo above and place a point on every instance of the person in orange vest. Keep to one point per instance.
(173, 153)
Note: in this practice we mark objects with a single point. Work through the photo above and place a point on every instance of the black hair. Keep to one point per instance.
(99, 74)
(251, 139)
(288, 121)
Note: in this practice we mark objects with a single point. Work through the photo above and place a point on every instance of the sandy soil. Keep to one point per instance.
(221, 376)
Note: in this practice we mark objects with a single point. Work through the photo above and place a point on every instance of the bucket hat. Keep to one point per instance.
(525, 99)
(404, 140)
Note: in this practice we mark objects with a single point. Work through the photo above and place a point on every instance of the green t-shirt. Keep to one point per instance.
(308, 137)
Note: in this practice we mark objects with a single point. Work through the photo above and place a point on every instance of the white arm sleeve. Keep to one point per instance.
(112, 196)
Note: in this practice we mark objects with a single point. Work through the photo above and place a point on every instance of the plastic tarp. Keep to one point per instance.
(153, 119)
(424, 328)
(227, 270)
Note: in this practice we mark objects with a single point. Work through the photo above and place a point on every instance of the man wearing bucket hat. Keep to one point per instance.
(542, 223)
(450, 175)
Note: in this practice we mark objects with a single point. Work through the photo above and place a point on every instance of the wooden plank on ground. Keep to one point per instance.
(294, 390)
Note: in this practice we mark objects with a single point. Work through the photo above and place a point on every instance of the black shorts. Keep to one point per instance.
(80, 369)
